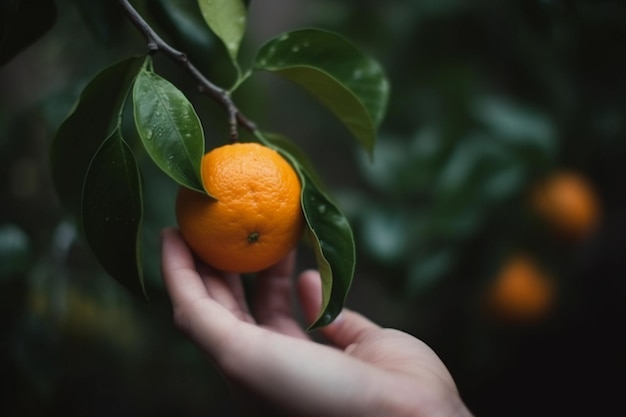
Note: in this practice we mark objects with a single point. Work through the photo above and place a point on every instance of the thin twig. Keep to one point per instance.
(156, 44)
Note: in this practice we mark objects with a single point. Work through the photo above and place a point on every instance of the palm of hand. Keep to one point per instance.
(268, 359)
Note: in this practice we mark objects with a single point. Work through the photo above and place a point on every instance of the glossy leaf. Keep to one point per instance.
(328, 230)
(182, 22)
(352, 85)
(227, 19)
(169, 128)
(112, 211)
(94, 117)
(333, 243)
(22, 22)
(288, 147)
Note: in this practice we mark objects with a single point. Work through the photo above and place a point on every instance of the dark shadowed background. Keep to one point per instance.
(488, 98)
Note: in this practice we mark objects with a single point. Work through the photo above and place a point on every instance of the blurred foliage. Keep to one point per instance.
(488, 98)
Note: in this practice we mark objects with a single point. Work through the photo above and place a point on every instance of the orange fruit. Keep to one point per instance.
(255, 218)
(566, 201)
(521, 291)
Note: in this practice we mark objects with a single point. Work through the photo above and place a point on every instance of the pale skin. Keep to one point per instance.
(272, 365)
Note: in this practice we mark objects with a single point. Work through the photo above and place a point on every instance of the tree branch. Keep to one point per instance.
(156, 44)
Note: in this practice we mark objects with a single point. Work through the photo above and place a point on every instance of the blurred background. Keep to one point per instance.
(490, 222)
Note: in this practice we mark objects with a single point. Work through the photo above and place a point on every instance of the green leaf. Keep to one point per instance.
(94, 117)
(112, 210)
(328, 231)
(333, 244)
(352, 85)
(103, 18)
(182, 21)
(227, 19)
(169, 128)
(429, 266)
(16, 251)
(22, 23)
(288, 147)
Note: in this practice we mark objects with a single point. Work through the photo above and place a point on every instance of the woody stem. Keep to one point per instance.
(156, 44)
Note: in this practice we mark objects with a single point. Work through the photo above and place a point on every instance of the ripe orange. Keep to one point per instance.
(521, 292)
(567, 202)
(255, 218)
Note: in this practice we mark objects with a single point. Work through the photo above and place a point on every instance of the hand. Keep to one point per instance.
(275, 367)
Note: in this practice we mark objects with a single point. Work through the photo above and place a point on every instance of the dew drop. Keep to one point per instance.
(295, 48)
(321, 208)
(283, 37)
(327, 318)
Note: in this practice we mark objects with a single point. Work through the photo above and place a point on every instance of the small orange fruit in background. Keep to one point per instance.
(521, 292)
(255, 218)
(566, 201)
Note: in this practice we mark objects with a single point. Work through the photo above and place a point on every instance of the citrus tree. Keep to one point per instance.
(95, 161)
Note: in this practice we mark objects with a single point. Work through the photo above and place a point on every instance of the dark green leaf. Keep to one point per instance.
(169, 128)
(182, 21)
(286, 146)
(8, 14)
(333, 243)
(227, 19)
(93, 119)
(15, 250)
(428, 267)
(22, 23)
(351, 84)
(112, 210)
(386, 232)
(102, 17)
(328, 230)
(517, 125)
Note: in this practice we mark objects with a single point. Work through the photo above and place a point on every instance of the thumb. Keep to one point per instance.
(348, 328)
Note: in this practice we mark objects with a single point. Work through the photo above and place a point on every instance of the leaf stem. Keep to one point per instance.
(156, 44)
(240, 80)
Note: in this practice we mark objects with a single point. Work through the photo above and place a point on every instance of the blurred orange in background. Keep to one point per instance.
(566, 201)
(521, 292)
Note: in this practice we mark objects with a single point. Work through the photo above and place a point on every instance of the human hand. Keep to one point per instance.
(274, 366)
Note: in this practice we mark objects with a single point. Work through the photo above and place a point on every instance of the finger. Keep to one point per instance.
(196, 314)
(227, 290)
(273, 302)
(178, 268)
(348, 328)
(235, 283)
